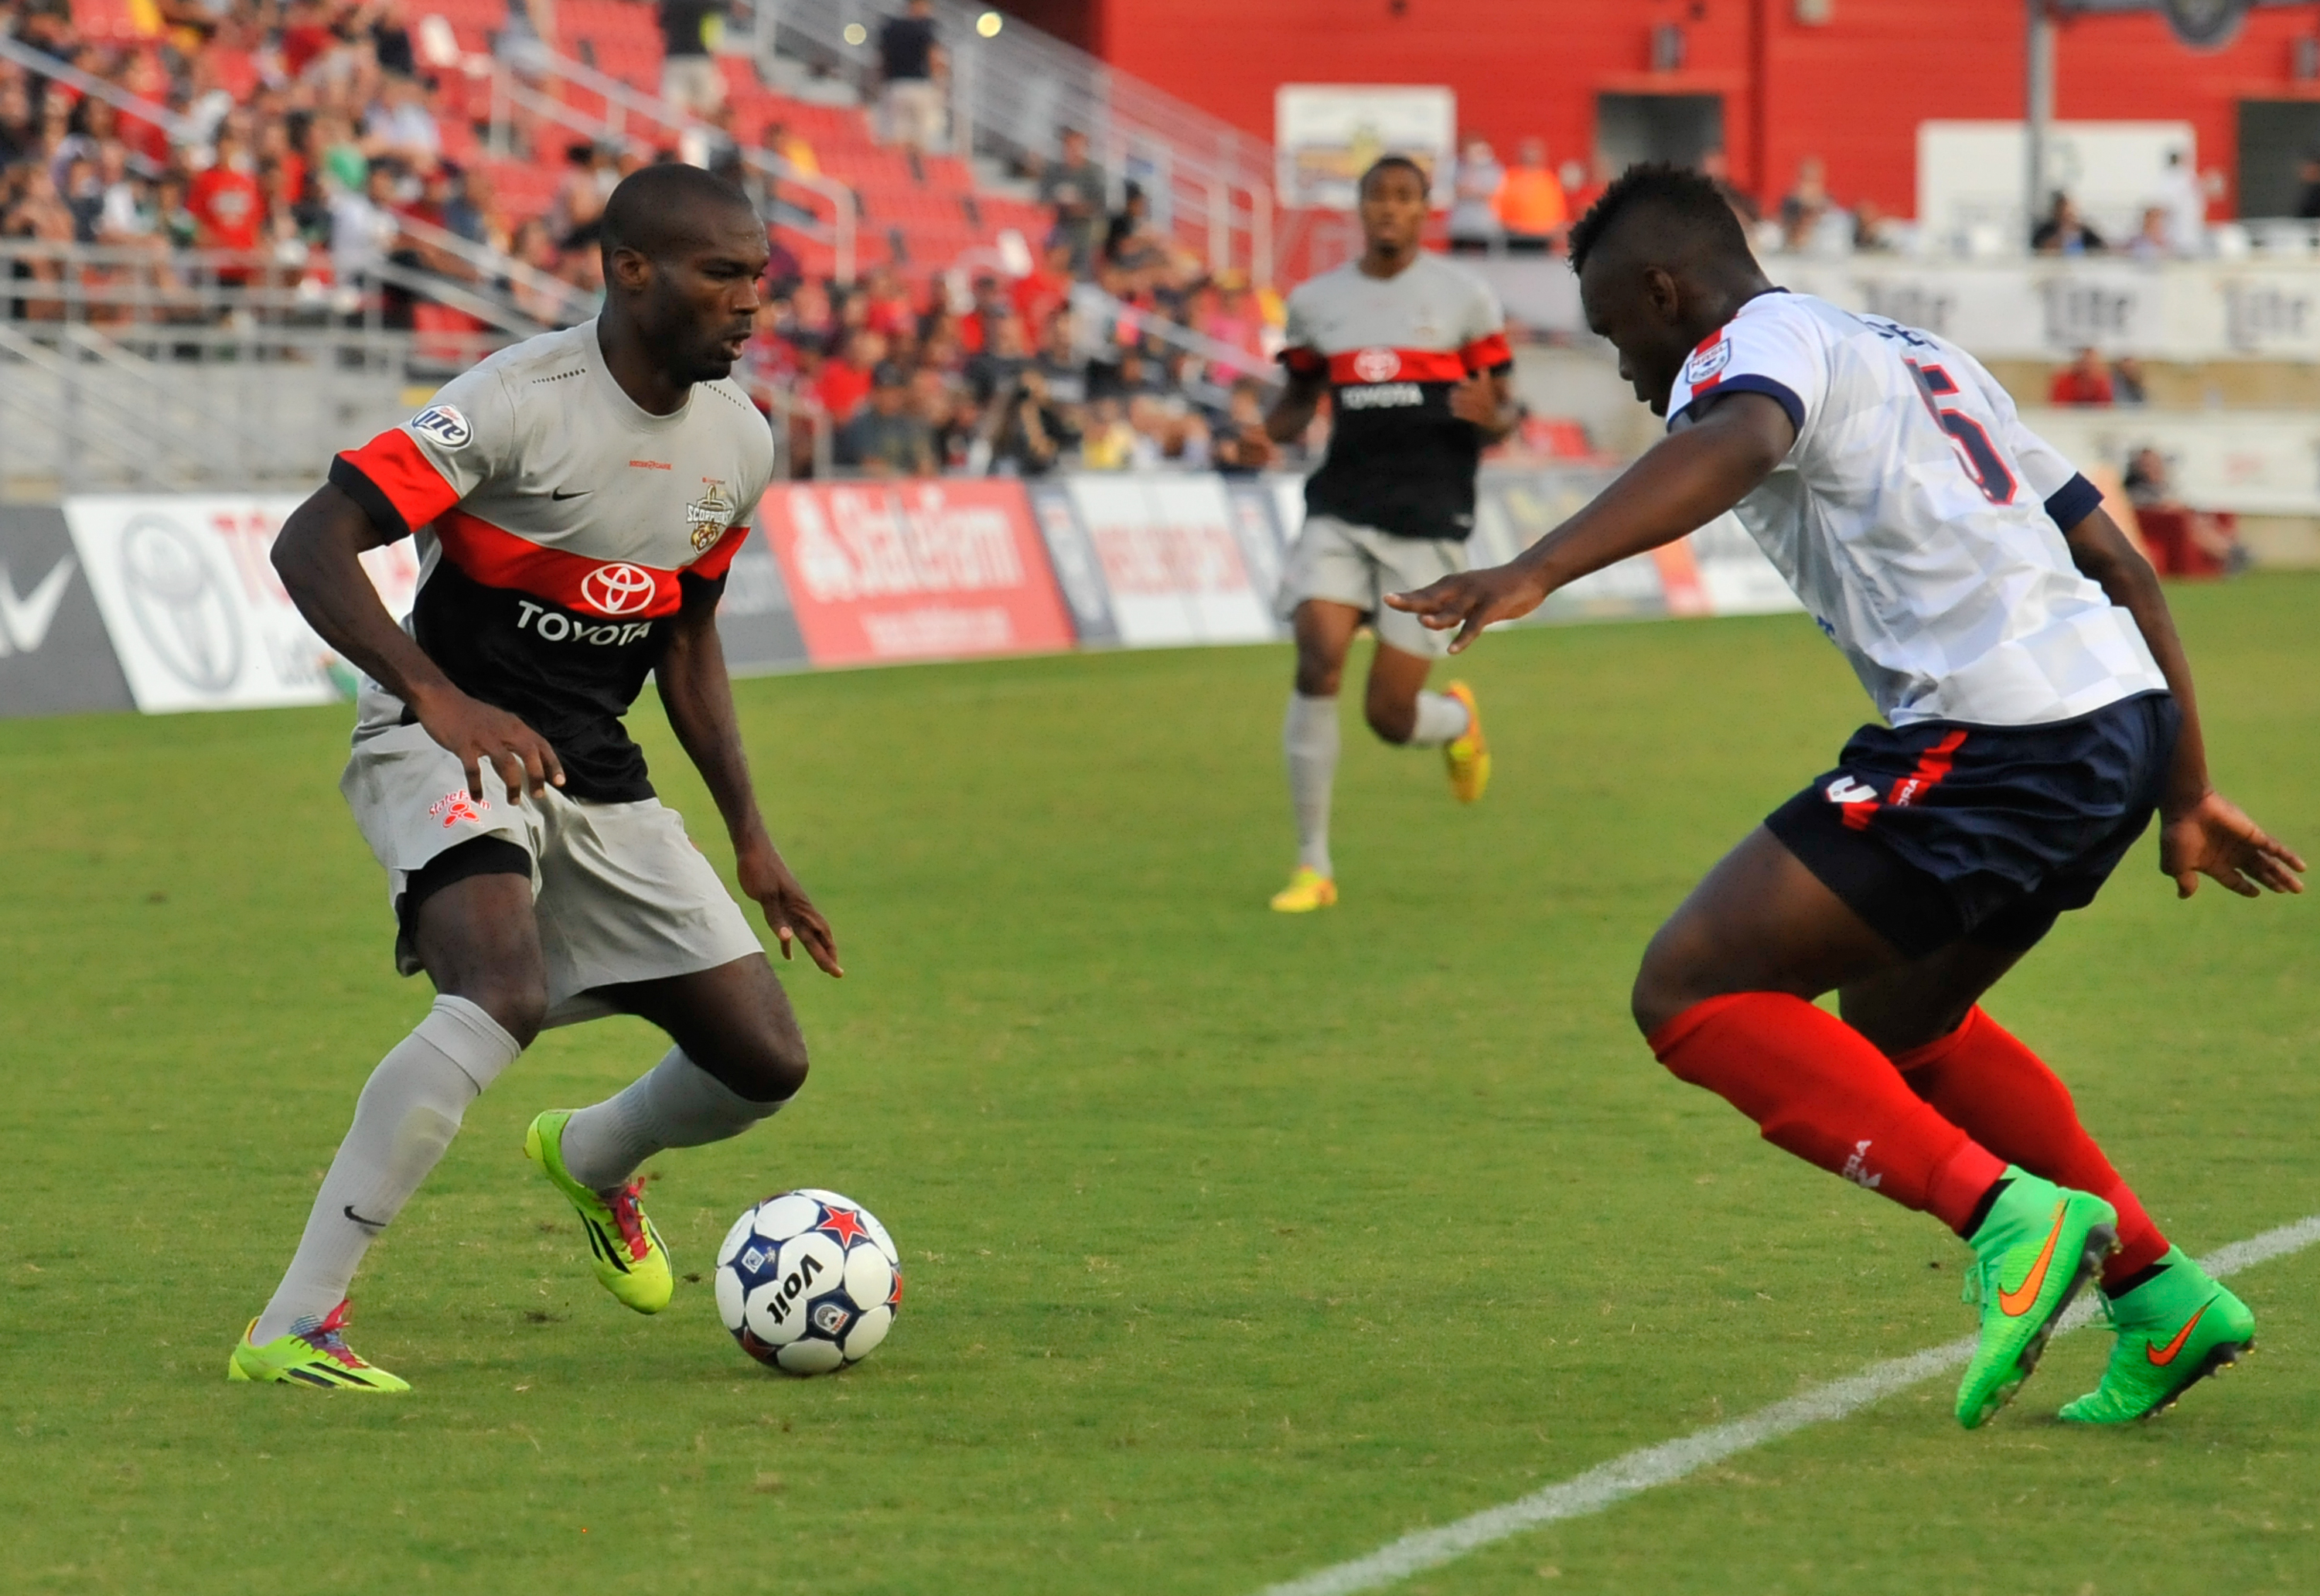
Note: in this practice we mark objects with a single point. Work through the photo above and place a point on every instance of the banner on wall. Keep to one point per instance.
(1170, 554)
(1327, 135)
(54, 658)
(197, 617)
(756, 621)
(924, 569)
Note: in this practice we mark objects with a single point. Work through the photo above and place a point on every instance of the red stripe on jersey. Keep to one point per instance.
(719, 557)
(1302, 360)
(617, 589)
(1378, 364)
(398, 468)
(1488, 353)
(1707, 343)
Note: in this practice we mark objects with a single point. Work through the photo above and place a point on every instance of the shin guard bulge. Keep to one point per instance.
(1818, 1089)
(1981, 1078)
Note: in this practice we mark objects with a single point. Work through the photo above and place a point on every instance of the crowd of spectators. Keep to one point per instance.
(309, 134)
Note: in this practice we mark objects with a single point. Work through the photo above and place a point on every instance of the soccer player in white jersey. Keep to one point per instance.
(1412, 354)
(2037, 709)
(577, 500)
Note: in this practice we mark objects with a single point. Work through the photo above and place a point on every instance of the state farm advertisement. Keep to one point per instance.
(914, 570)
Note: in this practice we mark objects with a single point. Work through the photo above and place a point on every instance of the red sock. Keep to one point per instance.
(1980, 1077)
(1821, 1091)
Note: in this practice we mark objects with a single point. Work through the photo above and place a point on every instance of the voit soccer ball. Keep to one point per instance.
(808, 1282)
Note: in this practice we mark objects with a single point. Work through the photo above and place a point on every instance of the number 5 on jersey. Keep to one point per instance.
(1976, 452)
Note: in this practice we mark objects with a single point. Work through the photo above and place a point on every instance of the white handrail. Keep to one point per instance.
(181, 129)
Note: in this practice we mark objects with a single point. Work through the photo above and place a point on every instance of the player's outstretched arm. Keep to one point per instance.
(318, 558)
(699, 697)
(1681, 484)
(2201, 832)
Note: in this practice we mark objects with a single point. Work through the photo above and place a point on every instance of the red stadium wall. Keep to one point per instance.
(1851, 91)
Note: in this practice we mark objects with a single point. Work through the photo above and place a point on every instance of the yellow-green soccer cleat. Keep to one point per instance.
(1307, 891)
(2037, 1247)
(1467, 756)
(318, 1356)
(2174, 1330)
(622, 1244)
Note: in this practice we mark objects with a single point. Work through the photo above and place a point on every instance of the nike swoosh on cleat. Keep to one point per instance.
(2017, 1301)
(559, 495)
(373, 1224)
(2162, 1358)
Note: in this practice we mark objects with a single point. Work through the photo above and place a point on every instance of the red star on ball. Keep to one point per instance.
(845, 1224)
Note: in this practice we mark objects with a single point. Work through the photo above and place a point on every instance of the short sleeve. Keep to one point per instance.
(1483, 346)
(2070, 498)
(1298, 351)
(1769, 349)
(409, 475)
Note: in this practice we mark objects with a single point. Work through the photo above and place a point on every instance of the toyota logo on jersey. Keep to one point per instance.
(617, 590)
(1378, 365)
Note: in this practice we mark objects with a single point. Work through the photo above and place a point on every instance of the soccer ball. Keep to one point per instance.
(808, 1282)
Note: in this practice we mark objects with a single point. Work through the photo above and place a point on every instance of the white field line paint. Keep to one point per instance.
(1610, 1483)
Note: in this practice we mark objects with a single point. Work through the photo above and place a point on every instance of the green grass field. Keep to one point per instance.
(1238, 1246)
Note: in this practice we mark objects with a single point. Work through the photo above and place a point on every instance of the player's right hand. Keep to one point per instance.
(2215, 838)
(1473, 600)
(488, 738)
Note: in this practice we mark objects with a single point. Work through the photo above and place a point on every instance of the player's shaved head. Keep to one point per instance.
(662, 211)
(683, 253)
(1662, 263)
(1391, 163)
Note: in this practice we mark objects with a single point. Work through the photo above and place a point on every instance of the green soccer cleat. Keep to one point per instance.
(316, 1356)
(2039, 1244)
(622, 1244)
(2174, 1330)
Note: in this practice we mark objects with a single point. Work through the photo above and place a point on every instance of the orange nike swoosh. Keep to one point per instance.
(2162, 1358)
(2016, 1303)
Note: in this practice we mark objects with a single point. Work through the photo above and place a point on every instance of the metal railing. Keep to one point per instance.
(1012, 93)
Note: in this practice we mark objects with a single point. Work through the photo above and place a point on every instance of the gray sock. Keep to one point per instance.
(408, 1112)
(1440, 718)
(676, 1103)
(1308, 738)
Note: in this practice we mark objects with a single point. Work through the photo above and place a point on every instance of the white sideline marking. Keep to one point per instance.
(1607, 1483)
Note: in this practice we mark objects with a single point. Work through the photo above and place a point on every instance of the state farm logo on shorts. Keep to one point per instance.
(453, 807)
(617, 590)
(1377, 364)
(445, 425)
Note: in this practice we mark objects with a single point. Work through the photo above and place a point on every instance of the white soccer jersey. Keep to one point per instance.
(1918, 520)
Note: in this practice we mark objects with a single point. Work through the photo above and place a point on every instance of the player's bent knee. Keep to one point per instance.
(1668, 982)
(768, 1069)
(1392, 722)
(517, 1007)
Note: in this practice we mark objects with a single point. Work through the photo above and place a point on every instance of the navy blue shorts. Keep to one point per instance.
(1939, 831)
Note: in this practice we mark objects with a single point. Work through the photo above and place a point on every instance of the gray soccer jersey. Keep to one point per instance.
(1392, 349)
(558, 527)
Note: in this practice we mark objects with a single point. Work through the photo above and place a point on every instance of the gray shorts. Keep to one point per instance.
(1343, 564)
(619, 890)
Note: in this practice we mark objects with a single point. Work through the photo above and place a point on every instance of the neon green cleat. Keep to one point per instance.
(622, 1244)
(2174, 1330)
(317, 1356)
(2039, 1244)
(1307, 891)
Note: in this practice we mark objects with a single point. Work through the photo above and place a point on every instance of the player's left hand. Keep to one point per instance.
(1471, 601)
(792, 914)
(1476, 400)
(2214, 838)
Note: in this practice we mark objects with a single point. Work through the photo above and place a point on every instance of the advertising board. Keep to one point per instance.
(54, 655)
(1172, 563)
(914, 570)
(198, 619)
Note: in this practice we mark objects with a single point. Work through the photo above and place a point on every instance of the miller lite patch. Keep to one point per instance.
(445, 425)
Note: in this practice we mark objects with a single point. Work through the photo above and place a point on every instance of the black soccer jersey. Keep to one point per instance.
(1392, 349)
(559, 526)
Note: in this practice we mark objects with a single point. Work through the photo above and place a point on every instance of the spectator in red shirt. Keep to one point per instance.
(1047, 288)
(845, 383)
(226, 203)
(2083, 381)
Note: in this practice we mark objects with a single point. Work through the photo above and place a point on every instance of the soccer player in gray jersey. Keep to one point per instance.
(576, 501)
(1412, 353)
